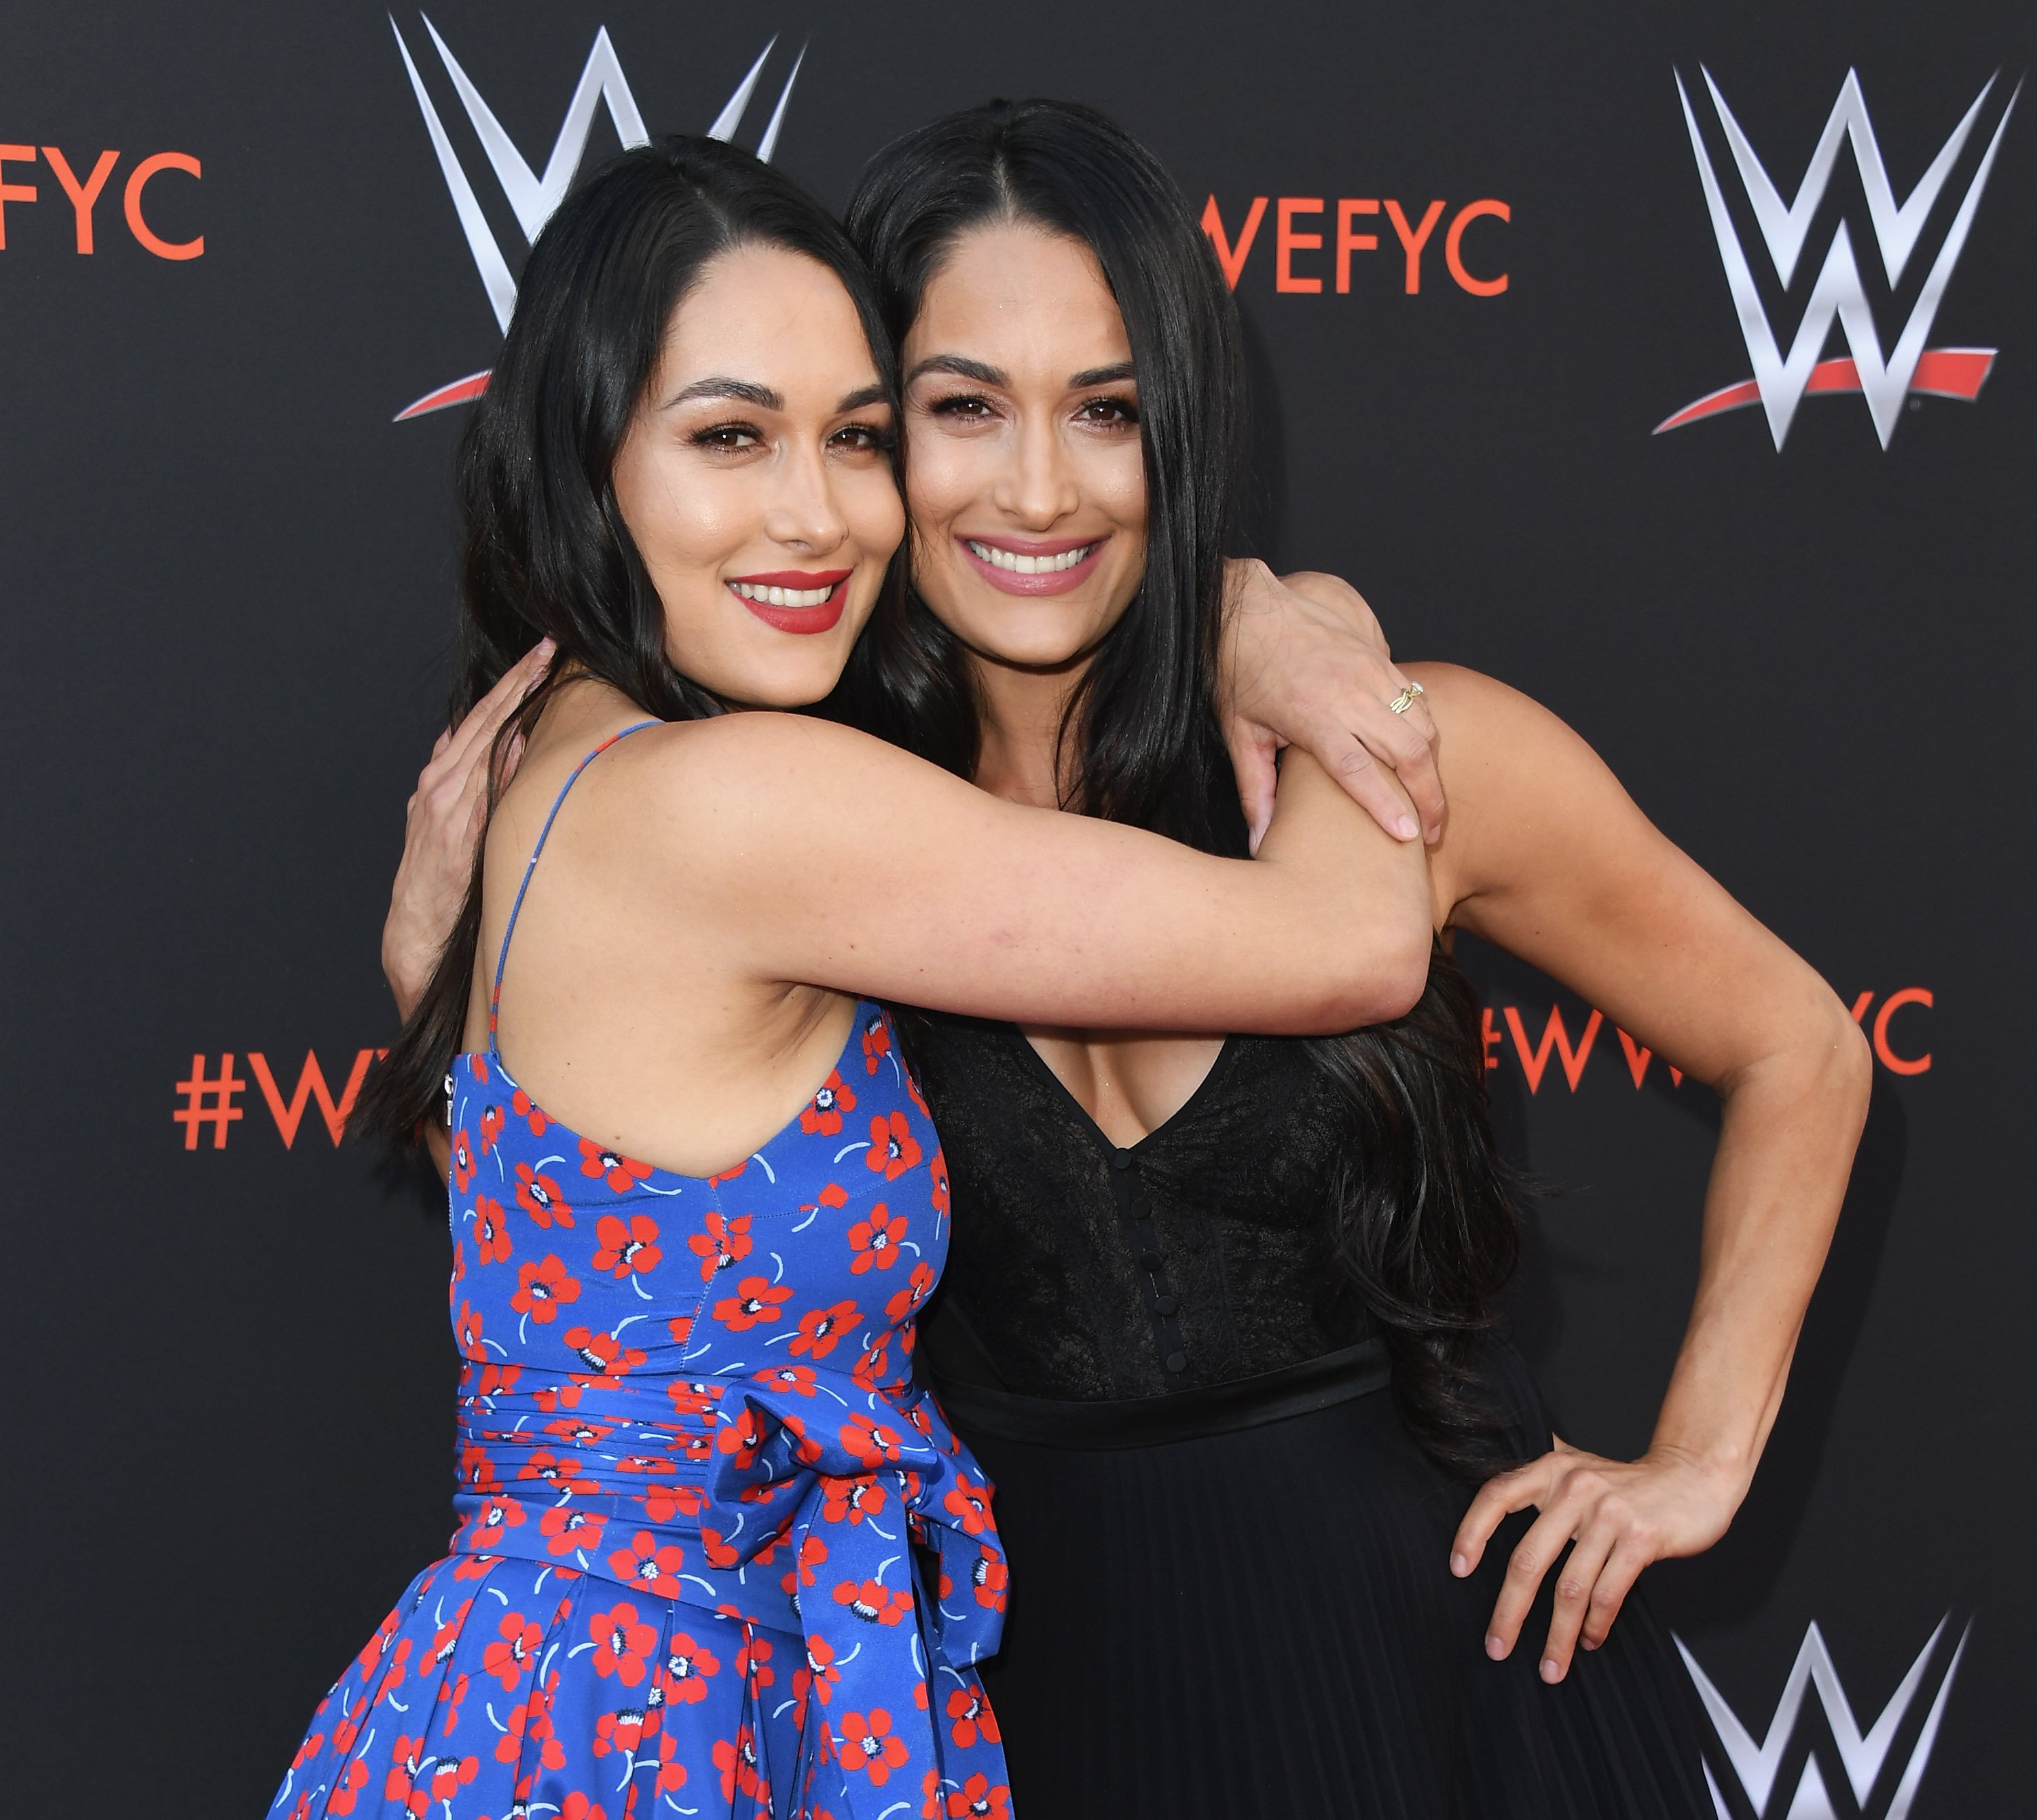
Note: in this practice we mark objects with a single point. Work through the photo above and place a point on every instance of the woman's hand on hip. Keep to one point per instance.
(1620, 1515)
(1305, 664)
(442, 829)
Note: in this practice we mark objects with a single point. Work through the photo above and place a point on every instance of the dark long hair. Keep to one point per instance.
(1423, 1228)
(546, 551)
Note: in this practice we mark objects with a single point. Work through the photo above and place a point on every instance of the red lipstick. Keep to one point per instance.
(821, 617)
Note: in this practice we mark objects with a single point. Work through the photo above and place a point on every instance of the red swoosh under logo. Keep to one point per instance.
(1943, 373)
(460, 392)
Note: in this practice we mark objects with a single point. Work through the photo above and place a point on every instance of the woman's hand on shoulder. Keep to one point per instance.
(1305, 663)
(1616, 1516)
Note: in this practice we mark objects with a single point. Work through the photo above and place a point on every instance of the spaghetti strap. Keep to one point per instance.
(544, 833)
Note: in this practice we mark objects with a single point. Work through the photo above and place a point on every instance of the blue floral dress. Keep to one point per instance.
(717, 1556)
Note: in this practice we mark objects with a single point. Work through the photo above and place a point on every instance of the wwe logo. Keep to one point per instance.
(531, 197)
(1867, 1762)
(1781, 381)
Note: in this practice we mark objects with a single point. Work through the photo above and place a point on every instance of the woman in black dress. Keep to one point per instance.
(1219, 1312)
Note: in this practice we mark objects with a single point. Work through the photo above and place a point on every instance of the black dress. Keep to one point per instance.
(1230, 1594)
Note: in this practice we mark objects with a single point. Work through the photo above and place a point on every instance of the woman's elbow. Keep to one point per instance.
(1387, 981)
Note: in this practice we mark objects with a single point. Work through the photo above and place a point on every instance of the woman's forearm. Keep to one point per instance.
(1791, 1122)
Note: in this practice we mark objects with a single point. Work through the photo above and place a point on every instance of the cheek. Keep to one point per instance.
(1117, 485)
(876, 515)
(943, 475)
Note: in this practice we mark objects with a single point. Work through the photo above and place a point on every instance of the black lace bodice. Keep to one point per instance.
(1080, 1271)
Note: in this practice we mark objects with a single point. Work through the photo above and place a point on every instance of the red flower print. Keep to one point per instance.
(876, 1240)
(868, 1744)
(873, 1604)
(497, 1514)
(721, 1244)
(681, 1328)
(820, 1669)
(834, 1195)
(976, 1800)
(683, 1674)
(466, 1567)
(647, 1564)
(621, 1173)
(604, 1354)
(525, 1108)
(644, 1462)
(395, 1670)
(463, 1161)
(530, 1723)
(497, 1380)
(933, 1807)
(626, 1247)
(491, 1128)
(466, 1331)
(491, 1230)
(743, 1437)
(671, 1775)
(622, 1642)
(869, 1370)
(541, 1197)
(737, 1761)
(728, 1175)
(820, 1329)
(512, 1650)
(541, 1287)
(971, 1503)
(872, 1444)
(446, 1778)
(575, 1433)
(623, 1729)
(989, 1578)
(451, 1694)
(824, 1113)
(562, 1474)
(307, 1750)
(578, 1807)
(664, 1502)
(753, 1661)
(892, 1149)
(346, 1790)
(691, 1398)
(971, 1713)
(479, 1063)
(755, 1300)
(876, 1045)
(565, 1530)
(905, 1304)
(476, 1470)
(798, 1380)
(939, 1168)
(812, 1551)
(850, 1500)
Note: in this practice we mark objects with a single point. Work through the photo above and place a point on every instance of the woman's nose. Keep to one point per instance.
(805, 511)
(1037, 486)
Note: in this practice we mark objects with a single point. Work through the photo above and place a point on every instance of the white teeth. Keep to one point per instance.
(782, 596)
(1019, 564)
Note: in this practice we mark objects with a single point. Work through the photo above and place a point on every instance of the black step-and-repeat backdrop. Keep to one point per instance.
(1674, 364)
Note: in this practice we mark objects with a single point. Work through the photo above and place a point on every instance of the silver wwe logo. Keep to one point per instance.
(531, 196)
(1781, 379)
(1867, 1761)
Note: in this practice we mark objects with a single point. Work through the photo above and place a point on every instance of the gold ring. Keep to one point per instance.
(1411, 693)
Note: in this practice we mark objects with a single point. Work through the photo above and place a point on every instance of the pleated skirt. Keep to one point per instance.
(1264, 1621)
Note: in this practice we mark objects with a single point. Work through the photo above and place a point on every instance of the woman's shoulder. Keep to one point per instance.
(1482, 719)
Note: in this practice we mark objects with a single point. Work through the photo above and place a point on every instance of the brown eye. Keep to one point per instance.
(729, 437)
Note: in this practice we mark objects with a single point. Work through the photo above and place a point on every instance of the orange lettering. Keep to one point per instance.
(13, 192)
(1637, 1057)
(1860, 1005)
(1554, 1034)
(1233, 261)
(311, 1082)
(1287, 242)
(1414, 239)
(83, 196)
(1347, 242)
(1493, 1038)
(1893, 1002)
(1454, 246)
(138, 180)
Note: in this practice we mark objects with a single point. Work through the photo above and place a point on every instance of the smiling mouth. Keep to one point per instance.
(793, 600)
(763, 596)
(1013, 562)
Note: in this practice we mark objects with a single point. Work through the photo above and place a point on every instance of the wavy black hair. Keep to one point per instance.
(546, 551)
(1423, 1230)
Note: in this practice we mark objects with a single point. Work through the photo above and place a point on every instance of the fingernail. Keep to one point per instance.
(1496, 1648)
(1552, 1671)
(1460, 1565)
(1405, 827)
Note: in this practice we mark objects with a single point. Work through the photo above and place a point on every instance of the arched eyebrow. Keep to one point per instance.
(1103, 376)
(869, 394)
(963, 368)
(745, 391)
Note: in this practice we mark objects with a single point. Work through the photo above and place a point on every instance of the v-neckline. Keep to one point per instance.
(1086, 1120)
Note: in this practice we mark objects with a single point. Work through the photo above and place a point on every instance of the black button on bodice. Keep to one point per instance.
(1166, 1304)
(1122, 1160)
(1150, 1260)
(1177, 1362)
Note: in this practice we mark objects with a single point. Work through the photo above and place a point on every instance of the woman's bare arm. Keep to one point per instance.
(894, 879)
(1548, 858)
